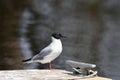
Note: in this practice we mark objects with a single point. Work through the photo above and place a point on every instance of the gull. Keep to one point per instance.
(49, 53)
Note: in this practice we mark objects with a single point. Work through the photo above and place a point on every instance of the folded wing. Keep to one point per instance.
(42, 54)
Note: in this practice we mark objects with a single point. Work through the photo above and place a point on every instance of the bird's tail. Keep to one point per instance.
(27, 60)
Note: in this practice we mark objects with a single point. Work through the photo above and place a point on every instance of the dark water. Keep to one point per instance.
(92, 27)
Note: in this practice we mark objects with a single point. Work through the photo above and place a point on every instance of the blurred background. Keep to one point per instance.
(92, 27)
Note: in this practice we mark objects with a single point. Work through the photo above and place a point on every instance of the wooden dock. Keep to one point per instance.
(36, 74)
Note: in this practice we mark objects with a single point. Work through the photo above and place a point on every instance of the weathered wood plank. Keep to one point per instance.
(42, 75)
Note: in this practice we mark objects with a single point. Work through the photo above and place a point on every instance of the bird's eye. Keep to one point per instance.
(59, 34)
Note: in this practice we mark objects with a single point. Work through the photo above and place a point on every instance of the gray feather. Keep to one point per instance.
(42, 54)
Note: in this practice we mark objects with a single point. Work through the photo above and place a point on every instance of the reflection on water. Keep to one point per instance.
(10, 53)
(26, 20)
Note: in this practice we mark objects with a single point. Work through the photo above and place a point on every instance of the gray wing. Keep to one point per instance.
(42, 54)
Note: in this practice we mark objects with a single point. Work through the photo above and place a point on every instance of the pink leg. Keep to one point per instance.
(49, 65)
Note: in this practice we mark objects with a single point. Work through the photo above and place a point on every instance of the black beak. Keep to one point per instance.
(63, 36)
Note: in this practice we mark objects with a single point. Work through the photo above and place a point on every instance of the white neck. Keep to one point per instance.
(56, 41)
(57, 44)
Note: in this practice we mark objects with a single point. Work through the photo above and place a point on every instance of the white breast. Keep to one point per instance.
(56, 47)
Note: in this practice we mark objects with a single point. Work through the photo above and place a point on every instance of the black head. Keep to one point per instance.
(57, 35)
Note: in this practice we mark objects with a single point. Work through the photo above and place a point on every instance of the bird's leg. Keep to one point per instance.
(49, 65)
